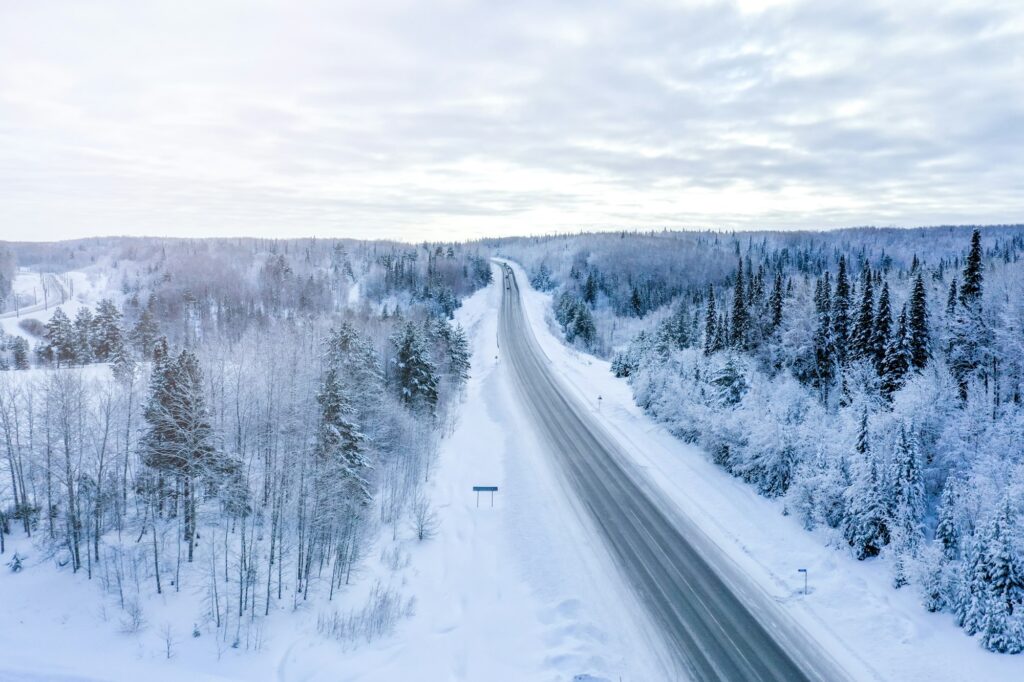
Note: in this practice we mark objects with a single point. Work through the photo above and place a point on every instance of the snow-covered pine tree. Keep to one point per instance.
(897, 358)
(738, 327)
(862, 341)
(458, 355)
(968, 333)
(841, 314)
(107, 336)
(776, 302)
(882, 330)
(970, 289)
(178, 441)
(919, 338)
(729, 382)
(947, 530)
(907, 503)
(146, 331)
(83, 336)
(59, 345)
(415, 373)
(1002, 626)
(710, 324)
(339, 444)
(20, 352)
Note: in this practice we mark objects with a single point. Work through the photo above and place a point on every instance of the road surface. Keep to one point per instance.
(719, 626)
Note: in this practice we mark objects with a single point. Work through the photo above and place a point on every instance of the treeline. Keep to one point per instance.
(158, 448)
(872, 381)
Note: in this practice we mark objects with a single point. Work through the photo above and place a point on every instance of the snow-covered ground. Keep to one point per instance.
(76, 289)
(520, 591)
(872, 630)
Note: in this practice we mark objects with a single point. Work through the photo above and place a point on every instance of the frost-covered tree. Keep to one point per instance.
(60, 340)
(415, 373)
(919, 338)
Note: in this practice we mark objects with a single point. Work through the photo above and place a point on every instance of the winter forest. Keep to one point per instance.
(871, 379)
(237, 420)
(228, 418)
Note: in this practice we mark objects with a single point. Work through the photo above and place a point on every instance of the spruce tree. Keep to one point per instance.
(178, 441)
(777, 301)
(919, 337)
(947, 531)
(897, 358)
(83, 341)
(738, 327)
(866, 527)
(636, 303)
(415, 374)
(730, 384)
(19, 351)
(146, 331)
(59, 346)
(862, 343)
(970, 290)
(339, 444)
(458, 355)
(882, 330)
(1002, 628)
(824, 359)
(107, 336)
(590, 290)
(971, 596)
(841, 313)
(739, 317)
(908, 498)
(951, 299)
(710, 324)
(583, 327)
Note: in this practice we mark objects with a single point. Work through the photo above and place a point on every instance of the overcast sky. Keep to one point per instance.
(427, 120)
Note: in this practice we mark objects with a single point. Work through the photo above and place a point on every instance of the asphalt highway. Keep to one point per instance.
(717, 624)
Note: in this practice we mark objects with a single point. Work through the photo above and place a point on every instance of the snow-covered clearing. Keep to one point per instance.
(874, 631)
(42, 294)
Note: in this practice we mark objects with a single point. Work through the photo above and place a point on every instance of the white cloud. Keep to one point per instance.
(458, 118)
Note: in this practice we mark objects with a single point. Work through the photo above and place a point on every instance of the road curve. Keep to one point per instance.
(718, 625)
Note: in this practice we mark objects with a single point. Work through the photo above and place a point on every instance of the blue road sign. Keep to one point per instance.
(485, 489)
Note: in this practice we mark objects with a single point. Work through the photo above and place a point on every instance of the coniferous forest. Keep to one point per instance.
(870, 379)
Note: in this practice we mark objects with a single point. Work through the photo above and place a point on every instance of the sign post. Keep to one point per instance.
(485, 489)
(804, 571)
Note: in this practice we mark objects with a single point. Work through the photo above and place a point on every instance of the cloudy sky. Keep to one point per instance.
(431, 119)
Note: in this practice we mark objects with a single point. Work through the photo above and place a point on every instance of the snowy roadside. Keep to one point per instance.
(520, 591)
(873, 631)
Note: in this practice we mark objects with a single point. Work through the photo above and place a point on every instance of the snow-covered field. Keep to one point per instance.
(874, 631)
